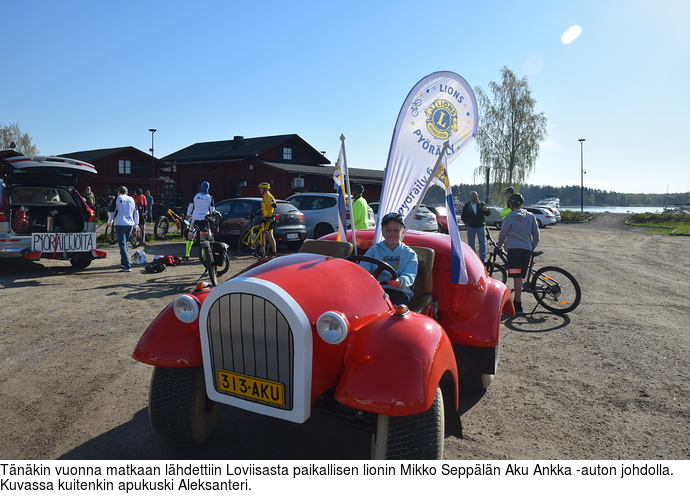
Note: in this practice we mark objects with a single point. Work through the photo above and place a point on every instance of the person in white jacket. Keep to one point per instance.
(396, 254)
(123, 214)
(201, 206)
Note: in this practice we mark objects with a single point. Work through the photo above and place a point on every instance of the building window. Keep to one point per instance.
(124, 166)
(287, 153)
(239, 184)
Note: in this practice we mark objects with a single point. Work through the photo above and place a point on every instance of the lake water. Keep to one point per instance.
(617, 210)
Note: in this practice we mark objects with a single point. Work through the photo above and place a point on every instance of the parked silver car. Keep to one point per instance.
(544, 217)
(321, 213)
(41, 213)
(423, 219)
(494, 218)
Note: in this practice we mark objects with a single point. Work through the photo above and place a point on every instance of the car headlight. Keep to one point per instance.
(186, 308)
(332, 327)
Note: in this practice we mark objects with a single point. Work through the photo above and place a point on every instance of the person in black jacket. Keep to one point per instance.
(473, 213)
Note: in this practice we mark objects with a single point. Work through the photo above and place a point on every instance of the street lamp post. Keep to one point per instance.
(153, 163)
(582, 177)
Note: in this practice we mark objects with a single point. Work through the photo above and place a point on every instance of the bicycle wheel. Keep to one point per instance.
(555, 289)
(209, 263)
(110, 235)
(136, 237)
(161, 227)
(222, 269)
(497, 271)
(261, 246)
(245, 241)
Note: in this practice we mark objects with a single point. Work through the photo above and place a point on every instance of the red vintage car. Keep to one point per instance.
(311, 331)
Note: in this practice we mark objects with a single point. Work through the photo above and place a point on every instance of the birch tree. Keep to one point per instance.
(22, 141)
(509, 131)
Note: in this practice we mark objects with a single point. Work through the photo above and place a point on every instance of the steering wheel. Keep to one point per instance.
(380, 265)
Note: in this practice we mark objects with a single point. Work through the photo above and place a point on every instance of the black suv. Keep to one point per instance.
(289, 226)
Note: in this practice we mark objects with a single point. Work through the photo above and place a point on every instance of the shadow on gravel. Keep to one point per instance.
(537, 322)
(238, 435)
(153, 287)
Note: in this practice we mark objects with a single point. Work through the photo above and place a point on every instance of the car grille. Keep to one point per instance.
(248, 335)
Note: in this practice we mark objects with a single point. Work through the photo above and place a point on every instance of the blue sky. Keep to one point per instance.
(82, 75)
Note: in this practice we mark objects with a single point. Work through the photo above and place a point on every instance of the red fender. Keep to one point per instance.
(167, 342)
(394, 366)
(483, 329)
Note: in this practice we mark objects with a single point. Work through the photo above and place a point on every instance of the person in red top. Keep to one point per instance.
(140, 201)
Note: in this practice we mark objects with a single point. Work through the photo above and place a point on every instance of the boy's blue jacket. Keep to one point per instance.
(403, 259)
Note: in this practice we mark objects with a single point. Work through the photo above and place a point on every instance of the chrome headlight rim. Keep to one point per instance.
(332, 327)
(186, 308)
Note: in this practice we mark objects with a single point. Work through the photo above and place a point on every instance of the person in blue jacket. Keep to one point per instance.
(396, 254)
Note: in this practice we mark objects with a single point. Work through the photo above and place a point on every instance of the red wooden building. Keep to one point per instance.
(236, 167)
(124, 166)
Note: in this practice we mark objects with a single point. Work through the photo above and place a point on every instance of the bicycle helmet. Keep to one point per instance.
(204, 187)
(516, 200)
(264, 185)
(357, 188)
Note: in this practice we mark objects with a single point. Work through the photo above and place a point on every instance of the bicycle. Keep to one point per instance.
(214, 256)
(255, 238)
(162, 224)
(136, 236)
(554, 288)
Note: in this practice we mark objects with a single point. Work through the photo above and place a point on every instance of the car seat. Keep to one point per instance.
(335, 249)
(422, 300)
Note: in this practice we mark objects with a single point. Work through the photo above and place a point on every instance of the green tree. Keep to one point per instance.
(509, 131)
(22, 141)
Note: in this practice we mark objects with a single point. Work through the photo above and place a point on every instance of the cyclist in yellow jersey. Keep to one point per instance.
(268, 208)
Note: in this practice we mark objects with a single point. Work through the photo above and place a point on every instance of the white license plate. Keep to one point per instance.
(292, 236)
(63, 242)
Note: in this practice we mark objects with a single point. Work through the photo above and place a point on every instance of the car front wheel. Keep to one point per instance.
(180, 412)
(414, 437)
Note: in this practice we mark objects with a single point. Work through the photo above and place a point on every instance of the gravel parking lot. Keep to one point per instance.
(607, 381)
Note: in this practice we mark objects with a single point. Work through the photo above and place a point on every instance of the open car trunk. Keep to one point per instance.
(36, 209)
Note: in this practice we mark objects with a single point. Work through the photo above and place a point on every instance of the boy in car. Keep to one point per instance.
(396, 254)
(520, 235)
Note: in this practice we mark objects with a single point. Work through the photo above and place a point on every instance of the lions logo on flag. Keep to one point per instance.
(441, 119)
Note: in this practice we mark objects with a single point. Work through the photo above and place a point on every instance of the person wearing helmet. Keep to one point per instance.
(359, 207)
(268, 209)
(520, 235)
(506, 210)
(396, 254)
(201, 206)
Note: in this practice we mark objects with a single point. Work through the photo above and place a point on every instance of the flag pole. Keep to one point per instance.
(346, 178)
(441, 156)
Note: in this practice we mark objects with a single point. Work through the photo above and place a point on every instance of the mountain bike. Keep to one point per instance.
(213, 255)
(255, 238)
(162, 224)
(496, 269)
(554, 288)
(136, 235)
